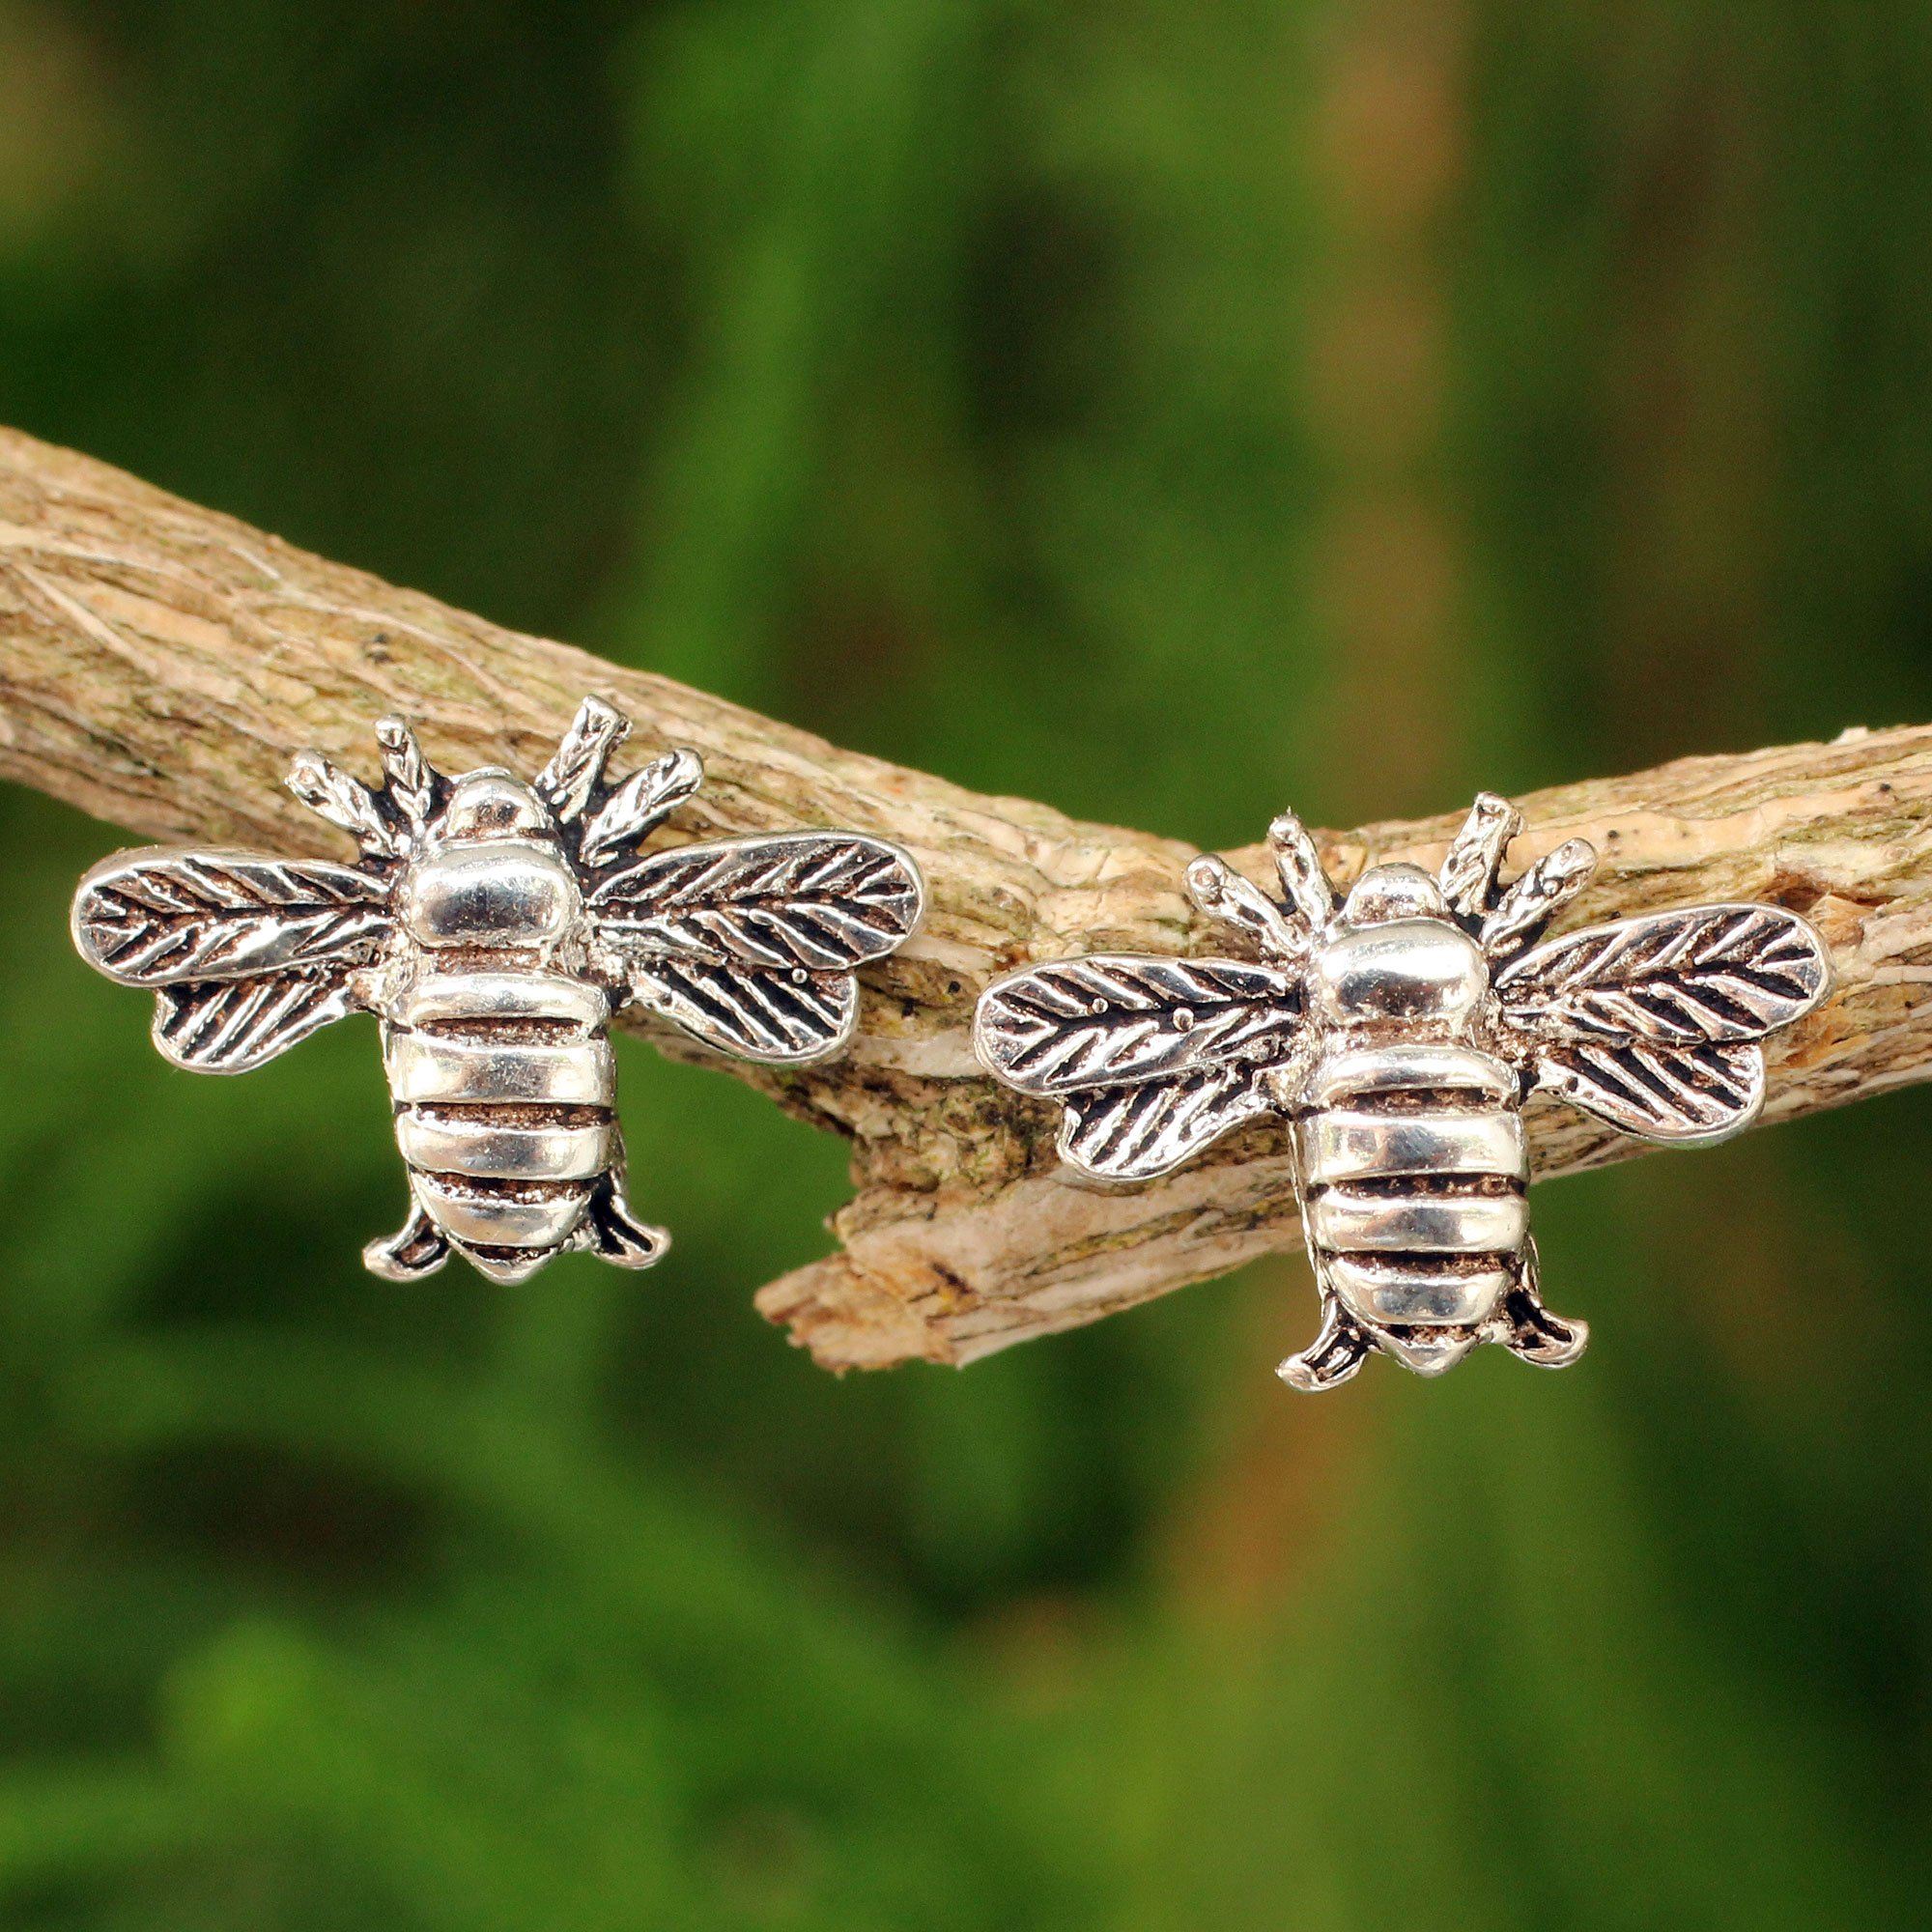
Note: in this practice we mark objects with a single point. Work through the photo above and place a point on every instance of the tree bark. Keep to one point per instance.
(159, 664)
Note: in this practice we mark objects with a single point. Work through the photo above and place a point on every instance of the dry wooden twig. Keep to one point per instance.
(159, 663)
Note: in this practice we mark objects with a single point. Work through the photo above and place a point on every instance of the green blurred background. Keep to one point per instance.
(1169, 411)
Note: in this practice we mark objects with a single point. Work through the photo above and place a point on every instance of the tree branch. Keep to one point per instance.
(159, 663)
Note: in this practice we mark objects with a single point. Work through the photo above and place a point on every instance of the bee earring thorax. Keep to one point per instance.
(1395, 958)
(493, 896)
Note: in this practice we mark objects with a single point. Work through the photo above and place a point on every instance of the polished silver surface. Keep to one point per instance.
(1398, 1031)
(1388, 1294)
(1344, 1144)
(1345, 1222)
(496, 1065)
(493, 926)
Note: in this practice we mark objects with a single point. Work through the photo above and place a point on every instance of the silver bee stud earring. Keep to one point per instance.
(1399, 1033)
(494, 926)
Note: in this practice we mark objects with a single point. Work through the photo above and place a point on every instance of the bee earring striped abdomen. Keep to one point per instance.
(1414, 1168)
(504, 1088)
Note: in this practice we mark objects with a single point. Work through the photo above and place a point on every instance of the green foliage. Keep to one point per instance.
(952, 379)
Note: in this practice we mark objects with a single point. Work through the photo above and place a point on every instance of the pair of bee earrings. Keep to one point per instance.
(494, 927)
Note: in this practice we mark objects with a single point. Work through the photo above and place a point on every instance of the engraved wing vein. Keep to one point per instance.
(219, 915)
(1705, 974)
(816, 900)
(1112, 1020)
(1663, 1092)
(231, 1026)
(767, 1015)
(1148, 1129)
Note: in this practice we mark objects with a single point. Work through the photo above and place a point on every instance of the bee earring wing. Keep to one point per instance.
(750, 944)
(1153, 1058)
(1653, 1024)
(247, 955)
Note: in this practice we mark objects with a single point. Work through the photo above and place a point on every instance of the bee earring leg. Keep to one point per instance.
(615, 1234)
(417, 1248)
(1535, 1334)
(1332, 1357)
